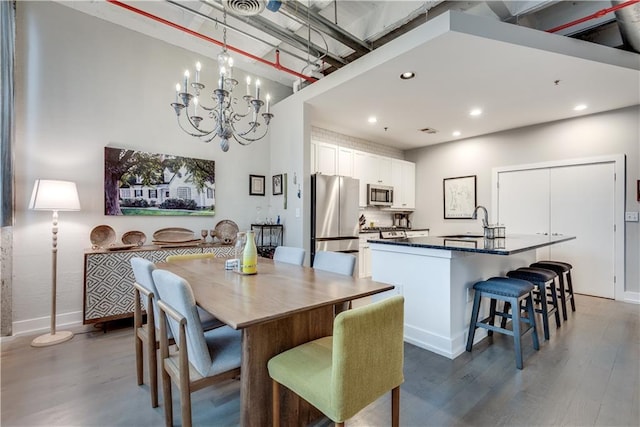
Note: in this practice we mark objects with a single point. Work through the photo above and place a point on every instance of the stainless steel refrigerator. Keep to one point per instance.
(334, 214)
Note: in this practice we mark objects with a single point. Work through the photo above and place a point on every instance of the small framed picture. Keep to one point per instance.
(256, 185)
(638, 191)
(459, 197)
(277, 184)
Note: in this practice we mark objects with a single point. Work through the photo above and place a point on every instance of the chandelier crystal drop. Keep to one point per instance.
(221, 120)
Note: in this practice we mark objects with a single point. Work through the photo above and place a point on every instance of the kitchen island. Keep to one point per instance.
(436, 276)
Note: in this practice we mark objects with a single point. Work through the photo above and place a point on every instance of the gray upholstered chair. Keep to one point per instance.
(343, 373)
(201, 358)
(145, 296)
(336, 262)
(289, 254)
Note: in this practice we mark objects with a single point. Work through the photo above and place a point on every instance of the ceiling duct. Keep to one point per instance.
(244, 7)
(629, 23)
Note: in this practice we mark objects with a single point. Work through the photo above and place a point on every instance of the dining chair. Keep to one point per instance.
(336, 262)
(289, 254)
(172, 258)
(145, 296)
(201, 358)
(342, 374)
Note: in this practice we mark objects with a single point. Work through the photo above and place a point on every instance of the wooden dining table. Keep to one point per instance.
(282, 306)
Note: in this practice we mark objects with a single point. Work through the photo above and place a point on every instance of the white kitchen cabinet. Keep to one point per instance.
(364, 255)
(403, 180)
(327, 158)
(361, 171)
(313, 149)
(345, 162)
(371, 169)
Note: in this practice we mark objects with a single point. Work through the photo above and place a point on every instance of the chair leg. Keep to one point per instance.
(168, 400)
(515, 323)
(275, 399)
(570, 289)
(185, 402)
(505, 310)
(532, 319)
(554, 301)
(492, 314)
(542, 287)
(395, 407)
(474, 320)
(138, 358)
(562, 295)
(152, 357)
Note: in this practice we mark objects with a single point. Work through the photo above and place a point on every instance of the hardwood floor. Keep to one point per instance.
(588, 373)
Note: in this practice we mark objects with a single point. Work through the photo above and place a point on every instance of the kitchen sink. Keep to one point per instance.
(463, 236)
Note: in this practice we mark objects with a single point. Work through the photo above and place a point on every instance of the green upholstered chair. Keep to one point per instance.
(343, 373)
(201, 358)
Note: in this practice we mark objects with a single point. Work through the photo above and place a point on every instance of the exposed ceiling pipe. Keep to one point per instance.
(629, 22)
(266, 26)
(231, 27)
(595, 15)
(327, 26)
(275, 64)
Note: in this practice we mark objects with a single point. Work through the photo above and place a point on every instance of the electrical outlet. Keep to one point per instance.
(631, 216)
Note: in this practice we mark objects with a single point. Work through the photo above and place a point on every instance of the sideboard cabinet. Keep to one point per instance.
(108, 278)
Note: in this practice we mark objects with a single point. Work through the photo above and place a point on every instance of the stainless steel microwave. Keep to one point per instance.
(379, 195)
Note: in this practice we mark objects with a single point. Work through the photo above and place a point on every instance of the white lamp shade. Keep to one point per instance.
(51, 195)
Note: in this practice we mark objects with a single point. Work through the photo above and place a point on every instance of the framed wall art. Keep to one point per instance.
(142, 183)
(459, 195)
(277, 184)
(256, 185)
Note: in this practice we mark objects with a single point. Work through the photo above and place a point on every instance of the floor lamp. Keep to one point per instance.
(49, 195)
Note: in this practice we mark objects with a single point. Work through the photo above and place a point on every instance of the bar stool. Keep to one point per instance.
(566, 292)
(512, 291)
(544, 280)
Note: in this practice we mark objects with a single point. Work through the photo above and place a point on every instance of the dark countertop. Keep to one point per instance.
(377, 231)
(512, 244)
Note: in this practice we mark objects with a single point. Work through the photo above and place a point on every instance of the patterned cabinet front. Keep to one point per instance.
(221, 251)
(108, 279)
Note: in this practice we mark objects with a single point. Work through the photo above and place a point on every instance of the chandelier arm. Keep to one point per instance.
(199, 135)
(244, 140)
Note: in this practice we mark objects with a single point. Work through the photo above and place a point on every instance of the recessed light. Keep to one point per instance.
(407, 75)
(456, 133)
(372, 119)
(580, 107)
(475, 112)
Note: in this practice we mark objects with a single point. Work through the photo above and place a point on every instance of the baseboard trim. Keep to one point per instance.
(43, 324)
(632, 297)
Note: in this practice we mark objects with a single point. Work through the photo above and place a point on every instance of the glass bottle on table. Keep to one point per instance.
(250, 254)
(241, 239)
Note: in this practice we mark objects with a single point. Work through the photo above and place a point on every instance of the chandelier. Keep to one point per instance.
(221, 120)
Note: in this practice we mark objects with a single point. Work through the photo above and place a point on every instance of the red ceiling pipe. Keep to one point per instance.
(598, 14)
(275, 64)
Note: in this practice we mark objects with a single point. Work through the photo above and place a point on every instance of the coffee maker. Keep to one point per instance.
(401, 220)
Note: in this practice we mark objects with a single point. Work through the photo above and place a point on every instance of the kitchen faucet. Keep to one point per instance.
(485, 220)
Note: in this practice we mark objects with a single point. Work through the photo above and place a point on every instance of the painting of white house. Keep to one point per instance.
(140, 183)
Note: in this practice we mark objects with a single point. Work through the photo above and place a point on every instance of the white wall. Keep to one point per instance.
(614, 132)
(83, 84)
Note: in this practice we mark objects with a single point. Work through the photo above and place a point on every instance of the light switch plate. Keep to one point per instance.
(631, 216)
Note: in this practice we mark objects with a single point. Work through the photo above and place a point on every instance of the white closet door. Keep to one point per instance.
(582, 205)
(523, 203)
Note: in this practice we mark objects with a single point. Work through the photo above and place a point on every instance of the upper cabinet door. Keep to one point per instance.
(345, 162)
(403, 180)
(327, 158)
